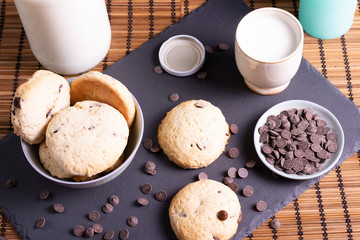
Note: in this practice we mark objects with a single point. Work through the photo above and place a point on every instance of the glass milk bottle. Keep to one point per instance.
(66, 36)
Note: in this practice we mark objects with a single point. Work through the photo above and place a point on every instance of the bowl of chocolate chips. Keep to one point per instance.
(298, 139)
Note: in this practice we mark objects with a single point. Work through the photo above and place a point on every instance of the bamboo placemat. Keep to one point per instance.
(328, 210)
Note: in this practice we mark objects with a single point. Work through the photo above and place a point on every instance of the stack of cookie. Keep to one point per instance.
(80, 141)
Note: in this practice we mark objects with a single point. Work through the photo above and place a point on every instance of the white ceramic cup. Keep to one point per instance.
(66, 36)
(268, 49)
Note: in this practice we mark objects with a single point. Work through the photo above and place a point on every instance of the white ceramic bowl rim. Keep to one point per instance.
(295, 20)
(276, 109)
(92, 182)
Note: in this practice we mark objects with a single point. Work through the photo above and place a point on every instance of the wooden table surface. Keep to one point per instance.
(328, 210)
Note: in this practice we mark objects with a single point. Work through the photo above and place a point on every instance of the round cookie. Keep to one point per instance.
(35, 102)
(84, 140)
(193, 134)
(196, 211)
(104, 88)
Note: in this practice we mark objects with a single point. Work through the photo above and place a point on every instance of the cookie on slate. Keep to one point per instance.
(193, 134)
(205, 210)
(104, 88)
(35, 102)
(84, 140)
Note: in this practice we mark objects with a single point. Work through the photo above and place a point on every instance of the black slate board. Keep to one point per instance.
(213, 23)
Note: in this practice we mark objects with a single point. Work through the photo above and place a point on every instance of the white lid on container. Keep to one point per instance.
(182, 55)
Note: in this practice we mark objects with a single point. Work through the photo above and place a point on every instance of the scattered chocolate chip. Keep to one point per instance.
(79, 231)
(124, 234)
(234, 153)
(234, 128)
(174, 97)
(222, 215)
(132, 221)
(202, 176)
(201, 75)
(223, 47)
(108, 235)
(107, 208)
(146, 188)
(261, 206)
(89, 232)
(248, 191)
(17, 102)
(231, 172)
(161, 196)
(158, 70)
(40, 222)
(243, 172)
(97, 228)
(233, 186)
(155, 149)
(227, 180)
(250, 164)
(114, 200)
(11, 183)
(143, 201)
(208, 49)
(148, 143)
(59, 208)
(44, 194)
(150, 167)
(94, 216)
(275, 224)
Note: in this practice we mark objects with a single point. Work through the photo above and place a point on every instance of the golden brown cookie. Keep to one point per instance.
(104, 88)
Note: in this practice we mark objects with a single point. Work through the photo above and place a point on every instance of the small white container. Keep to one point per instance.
(182, 55)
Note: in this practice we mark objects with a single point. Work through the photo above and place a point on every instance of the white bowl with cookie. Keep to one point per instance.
(91, 142)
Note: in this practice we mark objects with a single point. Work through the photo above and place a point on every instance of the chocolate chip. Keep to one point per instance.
(114, 200)
(146, 188)
(250, 164)
(108, 235)
(242, 172)
(150, 167)
(321, 123)
(264, 137)
(261, 206)
(124, 234)
(143, 201)
(332, 147)
(155, 149)
(148, 143)
(263, 129)
(11, 183)
(132, 221)
(97, 228)
(266, 148)
(208, 49)
(59, 208)
(331, 136)
(202, 176)
(223, 47)
(239, 220)
(201, 75)
(231, 172)
(288, 164)
(234, 153)
(248, 191)
(234, 128)
(161, 196)
(89, 232)
(91, 127)
(182, 214)
(222, 215)
(79, 231)
(322, 154)
(281, 143)
(44, 194)
(227, 180)
(40, 222)
(17, 102)
(158, 70)
(60, 87)
(174, 97)
(304, 146)
(94, 216)
(275, 224)
(233, 186)
(299, 153)
(107, 208)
